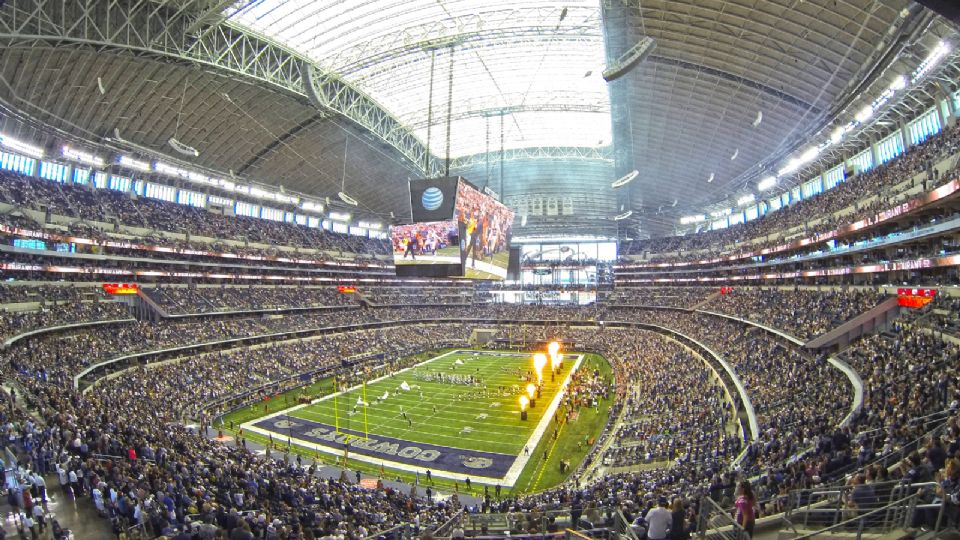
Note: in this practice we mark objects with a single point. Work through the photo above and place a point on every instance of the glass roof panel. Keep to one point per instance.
(536, 62)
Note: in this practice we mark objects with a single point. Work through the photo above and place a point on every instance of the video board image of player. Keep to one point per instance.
(425, 243)
(486, 225)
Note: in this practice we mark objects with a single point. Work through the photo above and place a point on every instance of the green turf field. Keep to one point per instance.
(484, 417)
(541, 471)
(449, 251)
(500, 260)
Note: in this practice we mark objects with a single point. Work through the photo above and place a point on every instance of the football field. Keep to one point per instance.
(457, 415)
(489, 268)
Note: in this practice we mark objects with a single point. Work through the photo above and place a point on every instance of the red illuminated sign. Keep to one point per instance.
(120, 288)
(917, 292)
(915, 302)
(915, 298)
(346, 289)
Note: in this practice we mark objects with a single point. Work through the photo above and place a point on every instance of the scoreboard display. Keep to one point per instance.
(120, 288)
(915, 298)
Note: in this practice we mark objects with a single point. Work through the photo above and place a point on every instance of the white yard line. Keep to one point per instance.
(513, 474)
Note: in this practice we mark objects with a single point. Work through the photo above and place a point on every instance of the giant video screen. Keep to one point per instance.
(486, 226)
(430, 249)
(432, 199)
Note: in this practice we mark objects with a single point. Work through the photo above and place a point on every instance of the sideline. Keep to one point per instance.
(508, 480)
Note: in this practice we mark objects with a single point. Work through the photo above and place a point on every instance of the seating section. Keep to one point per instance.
(802, 313)
(805, 397)
(917, 159)
(681, 297)
(105, 205)
(182, 300)
(674, 431)
(412, 296)
(69, 312)
(663, 425)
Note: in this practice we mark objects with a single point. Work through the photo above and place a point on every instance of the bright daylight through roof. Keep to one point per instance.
(537, 63)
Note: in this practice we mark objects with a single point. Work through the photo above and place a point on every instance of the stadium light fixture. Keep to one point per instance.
(864, 114)
(636, 54)
(130, 163)
(806, 157)
(767, 183)
(623, 216)
(347, 199)
(182, 148)
(837, 135)
(931, 60)
(20, 146)
(82, 157)
(311, 206)
(625, 179)
(899, 83)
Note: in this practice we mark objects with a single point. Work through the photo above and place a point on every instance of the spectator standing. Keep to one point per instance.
(659, 520)
(746, 507)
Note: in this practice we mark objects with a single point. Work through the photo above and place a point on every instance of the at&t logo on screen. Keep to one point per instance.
(432, 199)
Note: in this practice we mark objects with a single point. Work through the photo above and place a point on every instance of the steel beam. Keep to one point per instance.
(577, 153)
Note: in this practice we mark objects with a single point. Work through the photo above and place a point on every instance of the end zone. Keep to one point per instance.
(414, 457)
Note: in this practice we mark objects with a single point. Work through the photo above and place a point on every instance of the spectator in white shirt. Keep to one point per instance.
(658, 521)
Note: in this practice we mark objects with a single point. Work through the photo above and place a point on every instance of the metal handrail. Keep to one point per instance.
(709, 509)
(622, 523)
(890, 512)
(448, 525)
(389, 533)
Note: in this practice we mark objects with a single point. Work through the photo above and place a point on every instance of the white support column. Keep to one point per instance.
(905, 135)
(873, 151)
(949, 119)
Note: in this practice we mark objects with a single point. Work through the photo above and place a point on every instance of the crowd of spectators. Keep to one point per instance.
(53, 261)
(770, 228)
(45, 294)
(803, 313)
(806, 397)
(680, 297)
(184, 477)
(942, 315)
(659, 422)
(67, 312)
(110, 206)
(181, 300)
(412, 296)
